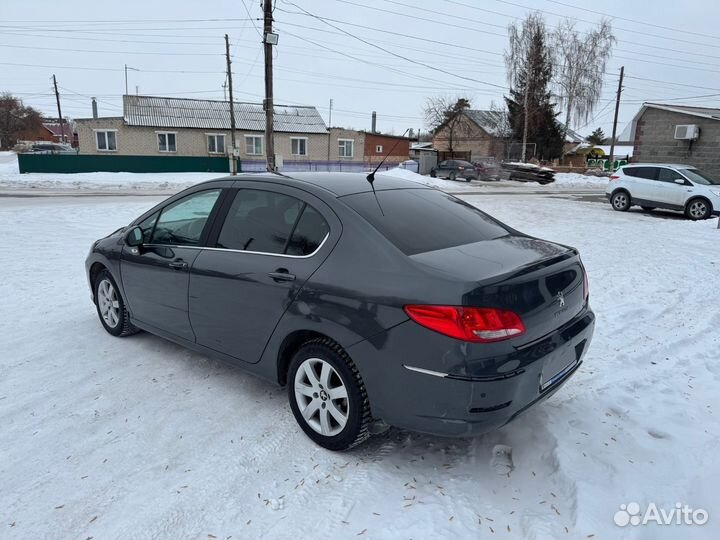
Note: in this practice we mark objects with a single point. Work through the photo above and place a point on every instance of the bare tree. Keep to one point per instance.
(445, 113)
(16, 120)
(580, 65)
(526, 60)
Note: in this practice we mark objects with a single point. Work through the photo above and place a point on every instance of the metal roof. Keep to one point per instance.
(490, 122)
(164, 112)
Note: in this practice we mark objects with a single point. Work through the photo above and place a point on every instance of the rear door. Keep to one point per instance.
(642, 182)
(270, 242)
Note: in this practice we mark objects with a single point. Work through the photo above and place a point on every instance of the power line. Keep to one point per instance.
(107, 52)
(434, 68)
(635, 21)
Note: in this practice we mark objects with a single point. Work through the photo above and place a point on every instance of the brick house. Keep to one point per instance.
(653, 134)
(377, 145)
(159, 126)
(480, 133)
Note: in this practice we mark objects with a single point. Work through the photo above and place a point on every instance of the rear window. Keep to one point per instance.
(649, 173)
(420, 220)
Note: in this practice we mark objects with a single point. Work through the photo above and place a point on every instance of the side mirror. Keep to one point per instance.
(134, 237)
(679, 181)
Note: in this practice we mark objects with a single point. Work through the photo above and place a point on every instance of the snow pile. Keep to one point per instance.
(580, 180)
(140, 438)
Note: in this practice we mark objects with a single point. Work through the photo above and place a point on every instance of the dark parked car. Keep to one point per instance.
(412, 309)
(527, 172)
(453, 169)
(488, 168)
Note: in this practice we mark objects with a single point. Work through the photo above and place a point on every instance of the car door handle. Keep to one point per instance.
(178, 265)
(281, 275)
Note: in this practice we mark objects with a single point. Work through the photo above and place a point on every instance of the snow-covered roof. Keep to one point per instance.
(709, 113)
(490, 120)
(164, 112)
(487, 120)
(421, 146)
(620, 149)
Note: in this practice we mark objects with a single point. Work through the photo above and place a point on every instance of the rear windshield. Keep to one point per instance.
(420, 220)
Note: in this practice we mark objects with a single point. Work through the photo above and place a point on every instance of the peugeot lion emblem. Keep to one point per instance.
(561, 299)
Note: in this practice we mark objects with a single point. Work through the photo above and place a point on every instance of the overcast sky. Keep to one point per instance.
(178, 48)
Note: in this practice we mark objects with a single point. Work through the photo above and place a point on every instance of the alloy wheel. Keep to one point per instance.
(321, 397)
(697, 209)
(620, 201)
(108, 303)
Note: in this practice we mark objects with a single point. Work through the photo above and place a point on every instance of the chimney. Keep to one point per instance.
(94, 108)
(374, 123)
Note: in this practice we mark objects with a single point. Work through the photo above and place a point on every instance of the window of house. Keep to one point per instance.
(345, 147)
(166, 141)
(216, 143)
(378, 149)
(253, 145)
(106, 140)
(298, 146)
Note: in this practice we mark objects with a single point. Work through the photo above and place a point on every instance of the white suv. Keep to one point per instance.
(675, 187)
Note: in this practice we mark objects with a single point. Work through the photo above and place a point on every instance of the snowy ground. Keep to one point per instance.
(138, 438)
(167, 183)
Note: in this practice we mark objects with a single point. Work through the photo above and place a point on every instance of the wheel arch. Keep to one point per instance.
(700, 197)
(290, 345)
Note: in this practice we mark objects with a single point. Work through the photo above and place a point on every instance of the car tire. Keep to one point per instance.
(111, 308)
(620, 200)
(319, 370)
(467, 179)
(648, 208)
(433, 174)
(697, 209)
(452, 175)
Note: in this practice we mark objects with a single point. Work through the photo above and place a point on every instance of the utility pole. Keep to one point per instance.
(233, 157)
(126, 79)
(57, 98)
(617, 109)
(269, 107)
(329, 128)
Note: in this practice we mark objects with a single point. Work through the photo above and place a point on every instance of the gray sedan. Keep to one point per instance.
(385, 304)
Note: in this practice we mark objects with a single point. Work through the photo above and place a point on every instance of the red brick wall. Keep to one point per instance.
(372, 140)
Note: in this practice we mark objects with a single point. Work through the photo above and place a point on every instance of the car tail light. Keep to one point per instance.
(585, 284)
(614, 177)
(480, 325)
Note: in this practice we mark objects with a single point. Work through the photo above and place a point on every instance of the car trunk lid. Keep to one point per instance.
(540, 281)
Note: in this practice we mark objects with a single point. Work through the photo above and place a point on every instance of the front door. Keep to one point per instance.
(667, 191)
(155, 275)
(270, 243)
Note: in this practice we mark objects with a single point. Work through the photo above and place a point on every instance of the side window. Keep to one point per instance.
(147, 226)
(310, 231)
(259, 221)
(668, 175)
(443, 164)
(182, 222)
(649, 173)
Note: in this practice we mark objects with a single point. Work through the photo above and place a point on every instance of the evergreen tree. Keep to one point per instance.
(529, 104)
(596, 137)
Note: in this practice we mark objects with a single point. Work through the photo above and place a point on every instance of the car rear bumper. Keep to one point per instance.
(447, 399)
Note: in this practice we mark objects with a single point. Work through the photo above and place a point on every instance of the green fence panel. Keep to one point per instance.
(82, 163)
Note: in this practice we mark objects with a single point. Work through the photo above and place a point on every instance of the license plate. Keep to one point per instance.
(555, 369)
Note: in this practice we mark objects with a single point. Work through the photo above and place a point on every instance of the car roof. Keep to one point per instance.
(672, 165)
(337, 184)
